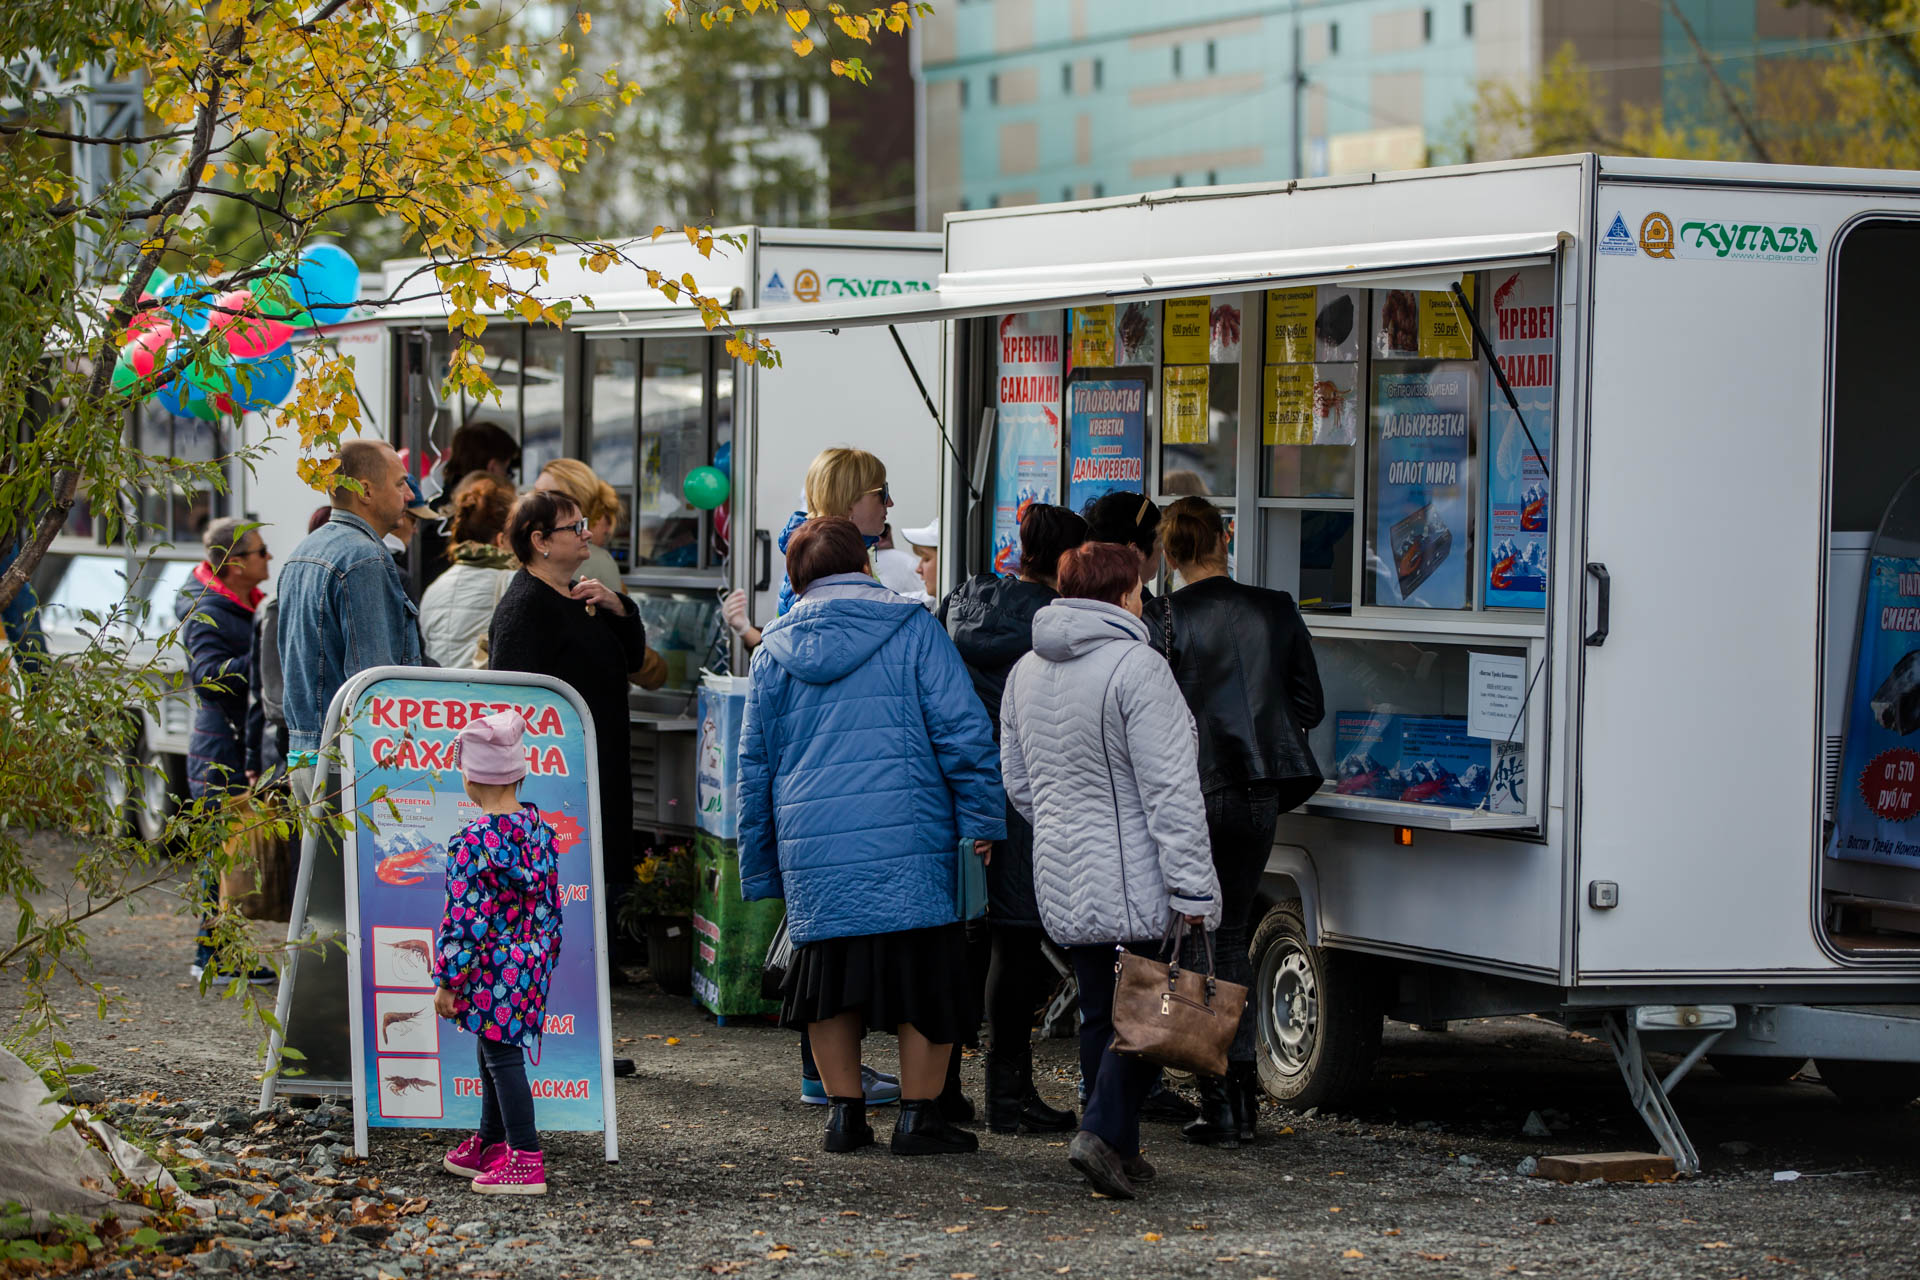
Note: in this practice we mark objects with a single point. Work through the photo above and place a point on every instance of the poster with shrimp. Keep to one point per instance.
(1422, 468)
(1524, 342)
(413, 1069)
(1107, 425)
(1027, 426)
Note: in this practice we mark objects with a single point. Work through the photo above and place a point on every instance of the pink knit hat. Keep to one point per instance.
(488, 750)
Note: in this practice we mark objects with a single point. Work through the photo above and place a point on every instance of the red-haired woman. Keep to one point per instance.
(1097, 749)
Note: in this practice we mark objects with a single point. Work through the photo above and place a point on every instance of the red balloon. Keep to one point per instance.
(144, 352)
(150, 317)
(249, 334)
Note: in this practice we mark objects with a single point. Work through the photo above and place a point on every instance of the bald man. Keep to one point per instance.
(343, 607)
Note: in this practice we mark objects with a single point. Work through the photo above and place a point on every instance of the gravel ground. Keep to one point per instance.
(721, 1171)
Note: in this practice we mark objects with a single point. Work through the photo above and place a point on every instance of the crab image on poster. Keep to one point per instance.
(410, 1088)
(403, 958)
(405, 1022)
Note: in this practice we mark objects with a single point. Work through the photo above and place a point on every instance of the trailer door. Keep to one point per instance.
(1697, 764)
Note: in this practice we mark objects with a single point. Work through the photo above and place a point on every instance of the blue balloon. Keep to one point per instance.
(184, 400)
(326, 281)
(188, 302)
(263, 383)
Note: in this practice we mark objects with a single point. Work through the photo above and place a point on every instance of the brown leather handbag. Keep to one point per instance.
(1171, 1016)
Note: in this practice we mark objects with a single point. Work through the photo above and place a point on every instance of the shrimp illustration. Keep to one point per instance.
(398, 1018)
(399, 1086)
(413, 951)
(396, 868)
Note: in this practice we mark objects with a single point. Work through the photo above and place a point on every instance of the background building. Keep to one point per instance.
(1039, 100)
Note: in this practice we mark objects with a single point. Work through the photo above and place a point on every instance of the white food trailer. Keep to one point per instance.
(1585, 635)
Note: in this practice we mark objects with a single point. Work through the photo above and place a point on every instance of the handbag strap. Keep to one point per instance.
(1175, 936)
(1166, 630)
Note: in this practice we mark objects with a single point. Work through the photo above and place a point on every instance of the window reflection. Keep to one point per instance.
(610, 390)
(673, 435)
(542, 397)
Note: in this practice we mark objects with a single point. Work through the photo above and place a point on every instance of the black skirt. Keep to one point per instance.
(916, 976)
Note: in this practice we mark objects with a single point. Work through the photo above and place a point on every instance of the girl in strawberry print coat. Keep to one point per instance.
(499, 940)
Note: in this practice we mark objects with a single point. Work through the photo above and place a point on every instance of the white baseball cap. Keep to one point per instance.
(927, 535)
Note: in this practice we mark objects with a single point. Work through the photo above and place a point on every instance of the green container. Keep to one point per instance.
(731, 937)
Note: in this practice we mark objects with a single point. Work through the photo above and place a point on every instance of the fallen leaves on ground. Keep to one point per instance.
(1352, 1253)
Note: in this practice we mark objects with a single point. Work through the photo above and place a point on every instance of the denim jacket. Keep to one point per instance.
(342, 609)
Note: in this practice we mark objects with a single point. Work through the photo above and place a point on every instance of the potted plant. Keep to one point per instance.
(659, 911)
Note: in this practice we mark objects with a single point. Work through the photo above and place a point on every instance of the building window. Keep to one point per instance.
(965, 204)
(1211, 61)
(780, 102)
(1179, 181)
(1066, 77)
(1426, 25)
(963, 94)
(993, 88)
(1333, 37)
(1176, 60)
(993, 201)
(1066, 193)
(1213, 177)
(1098, 73)
(1099, 189)
(1466, 19)
(802, 102)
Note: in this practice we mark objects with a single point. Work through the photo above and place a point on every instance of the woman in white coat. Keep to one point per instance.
(1098, 752)
(458, 607)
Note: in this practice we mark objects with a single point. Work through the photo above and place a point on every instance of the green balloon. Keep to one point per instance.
(125, 380)
(706, 487)
(211, 373)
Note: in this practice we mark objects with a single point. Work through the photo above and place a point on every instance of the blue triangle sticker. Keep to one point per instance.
(1618, 231)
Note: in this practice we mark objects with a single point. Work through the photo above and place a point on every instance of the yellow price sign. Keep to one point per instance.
(1183, 404)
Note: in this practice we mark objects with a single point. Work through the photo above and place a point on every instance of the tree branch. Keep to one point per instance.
(87, 139)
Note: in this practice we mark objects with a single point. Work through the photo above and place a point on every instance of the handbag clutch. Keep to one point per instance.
(1172, 1016)
(969, 884)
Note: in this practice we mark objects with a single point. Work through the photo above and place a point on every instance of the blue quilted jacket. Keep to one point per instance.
(865, 758)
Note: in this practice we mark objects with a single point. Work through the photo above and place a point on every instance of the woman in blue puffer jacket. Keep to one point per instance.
(865, 760)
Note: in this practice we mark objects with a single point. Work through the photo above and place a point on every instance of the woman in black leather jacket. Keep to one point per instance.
(1244, 661)
(991, 621)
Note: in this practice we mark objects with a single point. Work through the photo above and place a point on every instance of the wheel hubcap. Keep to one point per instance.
(1290, 1014)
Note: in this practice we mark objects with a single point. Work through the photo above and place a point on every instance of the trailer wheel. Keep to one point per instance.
(159, 780)
(1878, 1086)
(1316, 1014)
(1756, 1071)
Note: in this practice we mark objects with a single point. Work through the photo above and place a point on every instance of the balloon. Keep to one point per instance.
(326, 280)
(147, 318)
(249, 335)
(139, 358)
(706, 487)
(186, 301)
(205, 387)
(182, 400)
(125, 376)
(261, 384)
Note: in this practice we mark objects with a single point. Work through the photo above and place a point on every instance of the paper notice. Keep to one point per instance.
(1496, 696)
(1183, 404)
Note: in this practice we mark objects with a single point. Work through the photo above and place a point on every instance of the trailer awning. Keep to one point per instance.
(1414, 264)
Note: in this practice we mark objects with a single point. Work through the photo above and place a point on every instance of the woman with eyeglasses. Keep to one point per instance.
(554, 622)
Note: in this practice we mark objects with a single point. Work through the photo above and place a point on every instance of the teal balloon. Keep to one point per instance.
(326, 281)
(186, 301)
(706, 487)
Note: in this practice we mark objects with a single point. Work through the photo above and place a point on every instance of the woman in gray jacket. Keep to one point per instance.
(1097, 749)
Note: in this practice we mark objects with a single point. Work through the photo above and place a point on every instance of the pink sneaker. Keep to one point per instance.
(518, 1173)
(470, 1159)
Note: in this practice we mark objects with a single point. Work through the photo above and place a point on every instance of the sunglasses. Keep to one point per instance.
(578, 526)
(886, 495)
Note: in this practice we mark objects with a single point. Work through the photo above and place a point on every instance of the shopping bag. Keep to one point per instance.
(255, 882)
(1173, 1016)
(969, 884)
(773, 976)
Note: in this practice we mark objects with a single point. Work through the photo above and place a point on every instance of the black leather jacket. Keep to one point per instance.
(1244, 661)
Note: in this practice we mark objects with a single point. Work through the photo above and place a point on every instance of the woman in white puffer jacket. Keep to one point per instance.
(457, 609)
(1098, 751)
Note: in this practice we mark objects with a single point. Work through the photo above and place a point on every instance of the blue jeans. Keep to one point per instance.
(1117, 1086)
(506, 1100)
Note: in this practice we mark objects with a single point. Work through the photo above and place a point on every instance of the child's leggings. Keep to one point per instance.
(506, 1101)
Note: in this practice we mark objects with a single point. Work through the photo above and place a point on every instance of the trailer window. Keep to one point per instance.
(1111, 398)
(542, 400)
(673, 441)
(1200, 396)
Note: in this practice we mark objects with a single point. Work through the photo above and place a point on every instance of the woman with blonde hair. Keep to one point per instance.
(598, 503)
(840, 482)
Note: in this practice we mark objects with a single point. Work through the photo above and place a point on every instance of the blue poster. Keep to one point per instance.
(1027, 430)
(412, 1070)
(1518, 509)
(1418, 759)
(1422, 421)
(716, 777)
(1107, 439)
(1879, 792)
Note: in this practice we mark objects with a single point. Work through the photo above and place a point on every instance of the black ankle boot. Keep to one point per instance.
(955, 1107)
(1013, 1104)
(922, 1131)
(1216, 1126)
(847, 1127)
(1243, 1087)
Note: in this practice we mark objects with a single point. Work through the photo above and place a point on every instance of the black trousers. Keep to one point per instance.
(1117, 1086)
(1019, 977)
(1240, 823)
(506, 1100)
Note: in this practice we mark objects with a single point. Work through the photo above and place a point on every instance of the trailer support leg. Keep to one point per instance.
(1649, 1092)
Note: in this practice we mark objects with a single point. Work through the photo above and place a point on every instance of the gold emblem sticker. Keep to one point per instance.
(806, 285)
(1656, 235)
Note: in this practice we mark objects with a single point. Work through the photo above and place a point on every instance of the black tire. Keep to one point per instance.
(1875, 1086)
(158, 783)
(1317, 1014)
(1756, 1071)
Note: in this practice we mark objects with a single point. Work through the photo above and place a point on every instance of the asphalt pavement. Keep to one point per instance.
(721, 1172)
